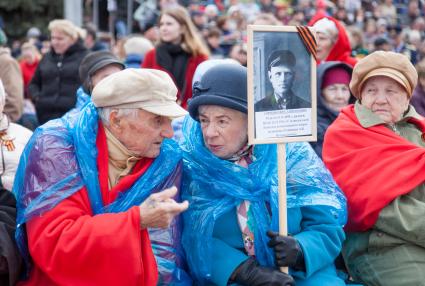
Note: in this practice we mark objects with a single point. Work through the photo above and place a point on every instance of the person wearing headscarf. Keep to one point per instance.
(375, 151)
(333, 93)
(179, 52)
(332, 40)
(230, 230)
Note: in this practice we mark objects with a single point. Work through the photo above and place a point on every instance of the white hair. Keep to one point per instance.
(105, 112)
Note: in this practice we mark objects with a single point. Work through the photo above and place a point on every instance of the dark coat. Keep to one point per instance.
(55, 82)
(418, 100)
(269, 103)
(10, 260)
(325, 116)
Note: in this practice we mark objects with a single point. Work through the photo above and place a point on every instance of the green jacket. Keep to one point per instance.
(393, 252)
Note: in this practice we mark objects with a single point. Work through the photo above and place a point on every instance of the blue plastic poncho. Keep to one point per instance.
(82, 98)
(70, 142)
(214, 186)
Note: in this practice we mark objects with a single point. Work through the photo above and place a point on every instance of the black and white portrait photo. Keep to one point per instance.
(281, 85)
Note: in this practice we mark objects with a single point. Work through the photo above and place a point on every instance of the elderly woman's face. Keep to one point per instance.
(385, 97)
(324, 46)
(224, 130)
(336, 96)
(60, 41)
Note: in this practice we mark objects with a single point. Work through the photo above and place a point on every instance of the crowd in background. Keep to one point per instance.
(370, 26)
(49, 76)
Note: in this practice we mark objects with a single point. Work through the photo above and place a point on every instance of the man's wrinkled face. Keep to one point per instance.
(143, 134)
(281, 77)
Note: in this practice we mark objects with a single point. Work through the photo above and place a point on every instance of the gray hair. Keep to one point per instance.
(105, 112)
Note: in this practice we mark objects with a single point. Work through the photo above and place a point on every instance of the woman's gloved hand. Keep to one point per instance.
(252, 274)
(287, 251)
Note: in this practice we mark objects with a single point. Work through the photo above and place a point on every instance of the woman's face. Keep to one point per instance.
(170, 31)
(60, 41)
(224, 130)
(385, 97)
(324, 46)
(336, 96)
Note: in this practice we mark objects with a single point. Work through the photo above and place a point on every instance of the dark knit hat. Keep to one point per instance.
(281, 57)
(93, 62)
(224, 85)
(336, 75)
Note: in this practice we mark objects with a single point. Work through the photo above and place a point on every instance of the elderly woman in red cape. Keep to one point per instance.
(375, 151)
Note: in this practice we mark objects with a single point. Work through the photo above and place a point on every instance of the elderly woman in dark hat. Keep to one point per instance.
(375, 151)
(230, 231)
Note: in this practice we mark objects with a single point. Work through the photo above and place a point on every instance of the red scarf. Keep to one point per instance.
(373, 166)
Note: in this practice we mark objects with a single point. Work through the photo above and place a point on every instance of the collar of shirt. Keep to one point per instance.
(368, 119)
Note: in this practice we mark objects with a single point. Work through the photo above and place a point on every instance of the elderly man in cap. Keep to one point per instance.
(93, 68)
(89, 187)
(375, 150)
(281, 73)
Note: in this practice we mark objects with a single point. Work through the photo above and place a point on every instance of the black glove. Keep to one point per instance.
(287, 251)
(252, 274)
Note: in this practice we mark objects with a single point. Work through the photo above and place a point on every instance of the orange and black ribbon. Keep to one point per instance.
(308, 39)
(7, 141)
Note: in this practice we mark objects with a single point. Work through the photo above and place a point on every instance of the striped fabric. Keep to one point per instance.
(308, 39)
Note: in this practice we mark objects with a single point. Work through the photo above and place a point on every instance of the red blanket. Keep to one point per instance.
(373, 166)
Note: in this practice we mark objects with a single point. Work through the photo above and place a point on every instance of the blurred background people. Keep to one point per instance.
(56, 78)
(94, 67)
(179, 51)
(29, 60)
(418, 97)
(91, 41)
(332, 41)
(10, 74)
(135, 49)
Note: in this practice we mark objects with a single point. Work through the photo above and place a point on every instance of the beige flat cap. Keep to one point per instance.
(393, 65)
(148, 89)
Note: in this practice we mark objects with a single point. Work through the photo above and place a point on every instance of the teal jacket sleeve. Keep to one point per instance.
(320, 238)
(228, 251)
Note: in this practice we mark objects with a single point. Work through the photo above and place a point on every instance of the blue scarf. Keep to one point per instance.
(214, 186)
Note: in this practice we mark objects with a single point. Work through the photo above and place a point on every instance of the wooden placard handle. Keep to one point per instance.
(281, 169)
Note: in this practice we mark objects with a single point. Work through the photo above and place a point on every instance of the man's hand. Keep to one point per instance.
(159, 209)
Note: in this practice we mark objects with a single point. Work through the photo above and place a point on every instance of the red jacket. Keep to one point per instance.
(70, 246)
(341, 51)
(28, 71)
(194, 61)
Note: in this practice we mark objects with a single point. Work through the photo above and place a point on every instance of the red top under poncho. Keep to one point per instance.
(70, 246)
(373, 166)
